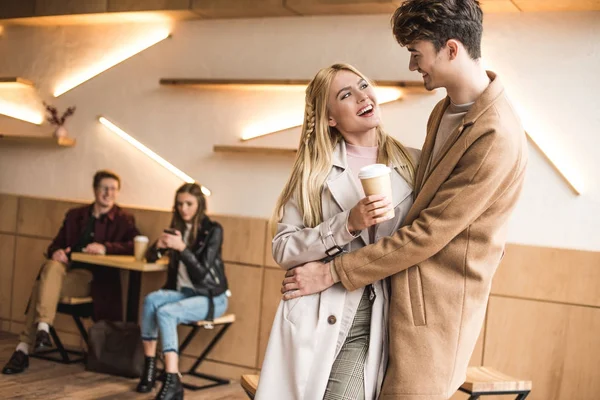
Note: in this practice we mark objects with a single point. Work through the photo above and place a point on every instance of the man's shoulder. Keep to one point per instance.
(500, 127)
(120, 212)
(77, 211)
(500, 119)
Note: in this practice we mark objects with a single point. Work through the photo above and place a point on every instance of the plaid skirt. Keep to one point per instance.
(347, 381)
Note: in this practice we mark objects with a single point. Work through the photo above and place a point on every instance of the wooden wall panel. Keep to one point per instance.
(61, 7)
(240, 343)
(240, 8)
(42, 217)
(339, 7)
(151, 222)
(5, 325)
(270, 302)
(560, 275)
(477, 357)
(7, 252)
(521, 335)
(556, 346)
(29, 257)
(16, 327)
(8, 213)
(269, 261)
(146, 5)
(243, 240)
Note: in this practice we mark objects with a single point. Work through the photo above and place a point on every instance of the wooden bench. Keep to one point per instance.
(76, 307)
(486, 381)
(481, 381)
(224, 322)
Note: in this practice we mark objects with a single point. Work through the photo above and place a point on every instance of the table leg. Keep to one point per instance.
(133, 295)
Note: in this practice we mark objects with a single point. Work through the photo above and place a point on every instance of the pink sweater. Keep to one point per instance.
(359, 157)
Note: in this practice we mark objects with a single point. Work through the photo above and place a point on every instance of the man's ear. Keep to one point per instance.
(453, 49)
(332, 122)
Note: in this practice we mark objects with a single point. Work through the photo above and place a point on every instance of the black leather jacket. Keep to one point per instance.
(203, 261)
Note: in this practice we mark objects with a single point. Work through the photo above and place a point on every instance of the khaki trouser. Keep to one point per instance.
(54, 282)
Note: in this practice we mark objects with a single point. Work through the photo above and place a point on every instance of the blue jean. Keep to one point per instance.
(165, 309)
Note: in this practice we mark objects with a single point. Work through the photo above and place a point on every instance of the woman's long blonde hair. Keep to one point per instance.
(317, 143)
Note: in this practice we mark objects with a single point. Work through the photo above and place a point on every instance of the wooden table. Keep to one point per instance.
(135, 269)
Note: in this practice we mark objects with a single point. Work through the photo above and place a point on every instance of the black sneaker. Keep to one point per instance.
(42, 340)
(18, 363)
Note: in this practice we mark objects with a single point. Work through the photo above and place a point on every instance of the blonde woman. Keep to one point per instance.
(332, 345)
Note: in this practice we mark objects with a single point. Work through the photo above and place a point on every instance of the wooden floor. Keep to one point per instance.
(52, 381)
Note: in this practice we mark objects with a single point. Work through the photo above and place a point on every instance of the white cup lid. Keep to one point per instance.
(373, 170)
(141, 238)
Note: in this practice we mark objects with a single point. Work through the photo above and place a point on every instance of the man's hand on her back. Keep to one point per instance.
(60, 255)
(310, 278)
(95, 248)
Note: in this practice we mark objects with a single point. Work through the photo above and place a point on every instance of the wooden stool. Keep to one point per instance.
(77, 307)
(225, 322)
(485, 381)
(250, 384)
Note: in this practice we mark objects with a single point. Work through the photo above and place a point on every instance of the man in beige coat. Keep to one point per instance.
(469, 178)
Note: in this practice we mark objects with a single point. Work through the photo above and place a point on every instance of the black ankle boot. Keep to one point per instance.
(172, 389)
(148, 376)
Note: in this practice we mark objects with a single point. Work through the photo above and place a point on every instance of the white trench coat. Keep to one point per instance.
(308, 332)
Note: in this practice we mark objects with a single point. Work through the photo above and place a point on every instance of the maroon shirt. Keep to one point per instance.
(115, 230)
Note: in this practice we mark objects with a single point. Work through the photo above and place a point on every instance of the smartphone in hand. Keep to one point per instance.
(170, 231)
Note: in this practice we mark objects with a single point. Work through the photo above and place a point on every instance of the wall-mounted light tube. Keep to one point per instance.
(141, 147)
(110, 60)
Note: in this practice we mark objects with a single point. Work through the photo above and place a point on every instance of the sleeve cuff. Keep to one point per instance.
(108, 248)
(340, 274)
(334, 232)
(334, 274)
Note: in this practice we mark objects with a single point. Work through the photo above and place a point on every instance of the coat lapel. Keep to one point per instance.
(485, 101)
(494, 91)
(342, 187)
(447, 146)
(432, 128)
(401, 190)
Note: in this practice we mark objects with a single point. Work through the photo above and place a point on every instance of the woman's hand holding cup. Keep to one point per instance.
(370, 211)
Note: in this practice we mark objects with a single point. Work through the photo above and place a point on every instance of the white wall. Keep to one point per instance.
(549, 63)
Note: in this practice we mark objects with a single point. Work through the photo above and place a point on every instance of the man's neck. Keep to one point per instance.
(469, 84)
(98, 210)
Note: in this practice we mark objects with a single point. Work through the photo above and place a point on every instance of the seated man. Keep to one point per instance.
(99, 228)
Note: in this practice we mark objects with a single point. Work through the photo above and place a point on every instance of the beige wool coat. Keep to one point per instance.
(308, 332)
(442, 260)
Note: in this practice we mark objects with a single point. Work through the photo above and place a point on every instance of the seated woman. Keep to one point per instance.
(196, 286)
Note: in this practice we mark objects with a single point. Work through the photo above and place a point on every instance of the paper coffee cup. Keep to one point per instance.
(376, 179)
(140, 245)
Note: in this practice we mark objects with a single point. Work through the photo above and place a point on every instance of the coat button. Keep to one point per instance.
(332, 319)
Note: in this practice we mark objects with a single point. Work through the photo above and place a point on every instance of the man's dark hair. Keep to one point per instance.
(438, 21)
(103, 174)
